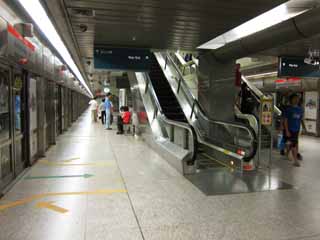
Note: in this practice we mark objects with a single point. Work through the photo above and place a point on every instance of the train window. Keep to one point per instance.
(4, 107)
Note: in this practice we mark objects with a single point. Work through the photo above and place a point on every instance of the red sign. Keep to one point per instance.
(288, 80)
(19, 37)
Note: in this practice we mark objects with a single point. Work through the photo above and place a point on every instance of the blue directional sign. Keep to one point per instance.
(122, 59)
(296, 67)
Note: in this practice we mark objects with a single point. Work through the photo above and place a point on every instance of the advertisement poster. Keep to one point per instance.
(267, 112)
(311, 126)
(311, 105)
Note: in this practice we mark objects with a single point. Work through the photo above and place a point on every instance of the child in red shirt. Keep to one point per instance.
(124, 118)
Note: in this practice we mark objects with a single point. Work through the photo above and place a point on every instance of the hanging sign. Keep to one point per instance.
(266, 111)
(296, 67)
(122, 58)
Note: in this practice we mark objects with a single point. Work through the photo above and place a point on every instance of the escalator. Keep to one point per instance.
(166, 97)
(173, 111)
(248, 110)
(217, 144)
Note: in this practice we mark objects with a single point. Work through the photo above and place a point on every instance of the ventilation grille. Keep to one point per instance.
(81, 12)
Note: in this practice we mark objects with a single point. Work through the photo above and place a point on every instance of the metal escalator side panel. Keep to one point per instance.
(159, 123)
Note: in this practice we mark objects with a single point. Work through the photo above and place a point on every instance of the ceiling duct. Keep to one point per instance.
(303, 26)
(80, 12)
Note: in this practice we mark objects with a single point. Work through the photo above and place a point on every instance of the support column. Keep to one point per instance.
(216, 87)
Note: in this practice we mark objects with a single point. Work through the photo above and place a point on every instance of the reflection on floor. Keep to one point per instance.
(96, 185)
(222, 181)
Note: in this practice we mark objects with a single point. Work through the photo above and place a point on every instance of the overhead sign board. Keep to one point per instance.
(296, 67)
(122, 59)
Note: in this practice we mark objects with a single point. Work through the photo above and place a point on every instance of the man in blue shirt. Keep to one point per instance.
(108, 107)
(293, 118)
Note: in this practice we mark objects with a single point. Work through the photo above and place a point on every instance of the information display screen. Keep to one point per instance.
(122, 59)
(296, 67)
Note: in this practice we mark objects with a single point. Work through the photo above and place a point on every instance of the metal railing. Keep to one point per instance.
(258, 94)
(251, 119)
(225, 137)
(186, 68)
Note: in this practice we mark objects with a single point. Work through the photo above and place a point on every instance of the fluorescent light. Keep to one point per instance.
(40, 17)
(262, 75)
(276, 15)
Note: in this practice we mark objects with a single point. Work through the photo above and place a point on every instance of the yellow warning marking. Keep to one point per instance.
(213, 159)
(64, 160)
(46, 162)
(70, 160)
(226, 151)
(52, 207)
(40, 196)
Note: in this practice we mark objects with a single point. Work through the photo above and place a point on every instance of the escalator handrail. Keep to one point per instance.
(196, 102)
(169, 121)
(203, 115)
(259, 94)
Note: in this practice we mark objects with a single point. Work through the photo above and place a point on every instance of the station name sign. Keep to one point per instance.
(296, 67)
(122, 58)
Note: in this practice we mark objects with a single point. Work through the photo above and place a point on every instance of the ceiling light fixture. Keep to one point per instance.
(263, 75)
(270, 18)
(40, 17)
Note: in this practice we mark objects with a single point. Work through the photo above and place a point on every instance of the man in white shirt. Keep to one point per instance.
(102, 109)
(93, 108)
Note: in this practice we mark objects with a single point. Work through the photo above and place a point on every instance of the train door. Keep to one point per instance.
(57, 109)
(20, 121)
(74, 107)
(50, 113)
(63, 114)
(33, 112)
(6, 142)
(71, 107)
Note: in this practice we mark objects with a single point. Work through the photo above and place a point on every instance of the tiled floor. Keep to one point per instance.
(134, 194)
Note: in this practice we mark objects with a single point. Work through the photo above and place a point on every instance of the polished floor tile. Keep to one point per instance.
(96, 185)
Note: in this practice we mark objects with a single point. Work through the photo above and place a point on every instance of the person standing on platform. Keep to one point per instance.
(102, 109)
(293, 118)
(108, 107)
(111, 115)
(93, 108)
(123, 118)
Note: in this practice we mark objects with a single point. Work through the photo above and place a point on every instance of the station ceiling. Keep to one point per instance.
(157, 24)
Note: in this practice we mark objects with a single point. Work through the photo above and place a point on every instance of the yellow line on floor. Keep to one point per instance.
(40, 196)
(70, 159)
(213, 159)
(51, 206)
(51, 163)
(63, 160)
